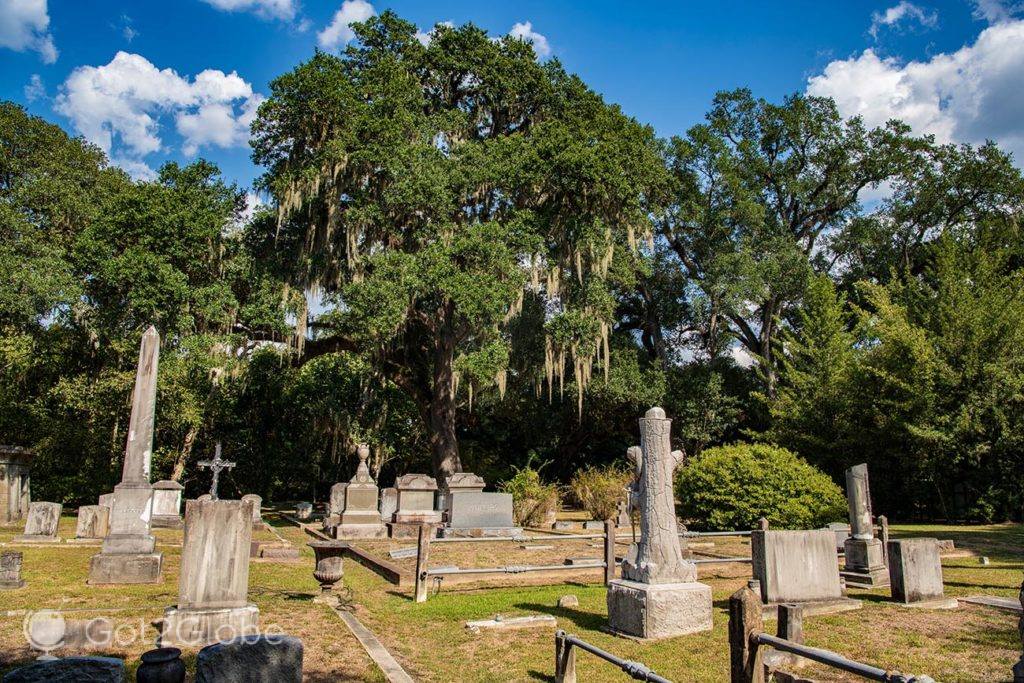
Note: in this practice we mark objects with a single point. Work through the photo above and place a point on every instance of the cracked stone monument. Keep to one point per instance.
(14, 483)
(213, 586)
(865, 558)
(361, 518)
(41, 524)
(658, 595)
(167, 504)
(129, 552)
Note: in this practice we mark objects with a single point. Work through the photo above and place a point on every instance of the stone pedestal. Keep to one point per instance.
(658, 610)
(167, 504)
(14, 484)
(41, 523)
(865, 563)
(129, 552)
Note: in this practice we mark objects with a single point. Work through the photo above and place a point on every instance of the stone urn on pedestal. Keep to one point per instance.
(329, 568)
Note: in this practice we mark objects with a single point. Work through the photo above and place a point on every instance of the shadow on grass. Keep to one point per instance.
(962, 584)
(539, 676)
(585, 620)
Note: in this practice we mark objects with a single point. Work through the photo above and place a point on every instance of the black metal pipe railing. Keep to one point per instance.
(837, 661)
(565, 665)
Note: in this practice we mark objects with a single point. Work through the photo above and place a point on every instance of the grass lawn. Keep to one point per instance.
(430, 640)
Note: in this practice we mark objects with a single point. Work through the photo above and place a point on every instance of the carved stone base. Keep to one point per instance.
(482, 532)
(113, 569)
(33, 539)
(200, 627)
(400, 530)
(864, 565)
(357, 531)
(166, 522)
(814, 608)
(658, 610)
(12, 585)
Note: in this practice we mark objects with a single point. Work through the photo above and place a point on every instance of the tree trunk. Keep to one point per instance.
(178, 471)
(444, 445)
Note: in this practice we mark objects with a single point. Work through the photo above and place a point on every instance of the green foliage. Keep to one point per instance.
(598, 490)
(731, 487)
(532, 500)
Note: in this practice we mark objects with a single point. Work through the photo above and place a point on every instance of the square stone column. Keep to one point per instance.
(14, 484)
(864, 564)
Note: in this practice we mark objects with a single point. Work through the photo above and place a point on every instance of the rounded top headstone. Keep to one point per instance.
(655, 413)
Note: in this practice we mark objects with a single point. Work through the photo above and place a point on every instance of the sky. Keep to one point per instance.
(152, 82)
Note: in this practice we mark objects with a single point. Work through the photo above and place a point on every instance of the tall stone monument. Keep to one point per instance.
(658, 595)
(14, 484)
(865, 559)
(129, 550)
(361, 518)
(213, 585)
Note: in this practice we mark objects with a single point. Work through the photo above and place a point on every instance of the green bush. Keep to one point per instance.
(598, 490)
(731, 487)
(534, 503)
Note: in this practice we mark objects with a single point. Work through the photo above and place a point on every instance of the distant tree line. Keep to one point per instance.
(471, 261)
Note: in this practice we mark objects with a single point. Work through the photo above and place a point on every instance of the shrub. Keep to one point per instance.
(731, 487)
(598, 490)
(533, 501)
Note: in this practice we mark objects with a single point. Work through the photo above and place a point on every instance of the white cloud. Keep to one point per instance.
(996, 11)
(897, 13)
(23, 26)
(127, 30)
(524, 31)
(970, 95)
(339, 32)
(426, 36)
(35, 90)
(118, 106)
(265, 9)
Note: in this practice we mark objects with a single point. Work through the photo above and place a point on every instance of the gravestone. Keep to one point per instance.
(361, 518)
(799, 567)
(304, 511)
(257, 509)
(388, 503)
(106, 500)
(276, 659)
(129, 552)
(865, 562)
(336, 506)
(93, 522)
(460, 482)
(658, 595)
(842, 532)
(10, 570)
(915, 573)
(41, 523)
(70, 670)
(213, 585)
(475, 513)
(167, 504)
(416, 500)
(14, 484)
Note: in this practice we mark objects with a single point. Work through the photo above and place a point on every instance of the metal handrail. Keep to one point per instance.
(837, 661)
(634, 670)
(517, 539)
(698, 534)
(513, 568)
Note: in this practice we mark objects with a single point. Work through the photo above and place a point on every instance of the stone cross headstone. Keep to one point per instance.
(215, 465)
(257, 509)
(167, 504)
(361, 518)
(864, 554)
(93, 522)
(41, 523)
(10, 570)
(14, 483)
(128, 554)
(213, 583)
(658, 594)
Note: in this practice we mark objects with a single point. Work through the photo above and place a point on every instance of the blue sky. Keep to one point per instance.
(151, 81)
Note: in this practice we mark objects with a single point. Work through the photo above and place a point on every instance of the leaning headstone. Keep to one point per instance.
(480, 514)
(388, 503)
(70, 670)
(361, 518)
(799, 567)
(257, 509)
(304, 511)
(460, 482)
(658, 595)
(865, 561)
(915, 573)
(10, 570)
(129, 552)
(167, 504)
(93, 522)
(251, 659)
(14, 483)
(41, 523)
(213, 583)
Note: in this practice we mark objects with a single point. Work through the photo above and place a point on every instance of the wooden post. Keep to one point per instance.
(609, 551)
(791, 623)
(745, 622)
(883, 522)
(565, 659)
(1018, 668)
(422, 554)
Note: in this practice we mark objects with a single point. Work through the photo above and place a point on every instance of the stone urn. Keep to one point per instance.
(162, 665)
(328, 563)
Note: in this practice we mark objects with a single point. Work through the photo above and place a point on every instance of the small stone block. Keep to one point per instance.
(109, 569)
(401, 553)
(254, 658)
(660, 610)
(507, 623)
(568, 601)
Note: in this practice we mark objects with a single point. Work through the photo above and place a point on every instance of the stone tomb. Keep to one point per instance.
(257, 510)
(460, 482)
(10, 570)
(93, 522)
(799, 567)
(915, 573)
(167, 504)
(14, 483)
(480, 514)
(213, 585)
(41, 523)
(864, 565)
(361, 518)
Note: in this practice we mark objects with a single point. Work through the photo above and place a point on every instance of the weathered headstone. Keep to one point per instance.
(416, 499)
(250, 659)
(460, 482)
(915, 573)
(70, 670)
(128, 553)
(14, 483)
(213, 584)
(257, 509)
(798, 567)
(304, 511)
(336, 505)
(10, 570)
(658, 595)
(361, 518)
(167, 504)
(480, 514)
(388, 503)
(41, 523)
(842, 532)
(865, 561)
(622, 514)
(93, 522)
(106, 500)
